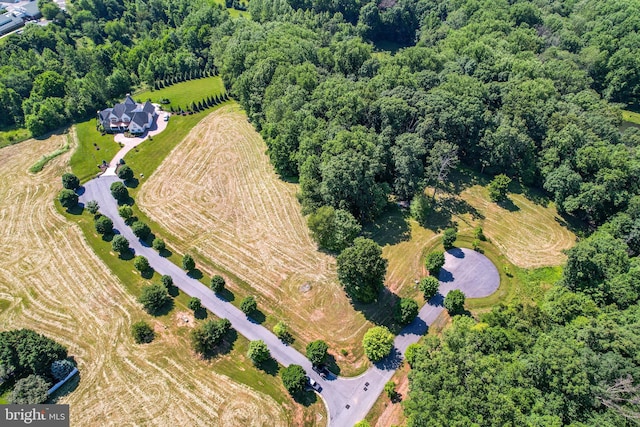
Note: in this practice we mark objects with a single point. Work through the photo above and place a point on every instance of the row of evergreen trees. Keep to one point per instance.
(195, 107)
(181, 77)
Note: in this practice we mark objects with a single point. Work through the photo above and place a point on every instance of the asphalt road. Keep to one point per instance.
(348, 400)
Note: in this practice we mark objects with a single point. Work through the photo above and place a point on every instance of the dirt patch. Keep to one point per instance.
(185, 318)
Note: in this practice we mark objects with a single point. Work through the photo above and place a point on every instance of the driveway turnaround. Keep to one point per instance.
(348, 400)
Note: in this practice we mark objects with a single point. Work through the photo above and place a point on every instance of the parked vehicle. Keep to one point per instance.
(314, 385)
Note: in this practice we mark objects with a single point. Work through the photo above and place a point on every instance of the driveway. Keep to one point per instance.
(348, 400)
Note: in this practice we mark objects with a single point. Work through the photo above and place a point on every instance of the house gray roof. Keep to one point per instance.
(129, 100)
(149, 108)
(140, 118)
(118, 110)
(140, 114)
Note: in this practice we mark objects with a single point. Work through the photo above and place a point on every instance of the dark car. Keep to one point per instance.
(322, 370)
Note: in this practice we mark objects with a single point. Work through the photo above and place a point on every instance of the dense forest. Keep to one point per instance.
(531, 89)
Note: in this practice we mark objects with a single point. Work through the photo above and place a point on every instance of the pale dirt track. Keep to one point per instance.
(217, 195)
(55, 284)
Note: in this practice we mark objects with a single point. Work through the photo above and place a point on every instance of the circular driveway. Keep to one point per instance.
(470, 271)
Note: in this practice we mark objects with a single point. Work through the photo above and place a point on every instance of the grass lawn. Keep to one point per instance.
(4, 397)
(233, 12)
(13, 135)
(631, 117)
(184, 93)
(92, 148)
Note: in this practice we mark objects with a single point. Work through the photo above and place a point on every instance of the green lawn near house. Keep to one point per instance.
(87, 156)
(184, 93)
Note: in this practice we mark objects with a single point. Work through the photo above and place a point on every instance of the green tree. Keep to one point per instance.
(119, 192)
(454, 301)
(449, 237)
(333, 229)
(141, 263)
(208, 335)
(120, 244)
(317, 351)
(50, 10)
(361, 270)
(125, 173)
(28, 352)
(158, 244)
(194, 304)
(363, 423)
(125, 212)
(141, 230)
(498, 188)
(70, 181)
(406, 310)
(104, 225)
(390, 390)
(434, 262)
(68, 198)
(142, 333)
(258, 352)
(377, 343)
(49, 84)
(167, 281)
(411, 353)
(153, 298)
(93, 207)
(188, 263)
(429, 286)
(217, 283)
(293, 378)
(248, 305)
(281, 330)
(30, 390)
(419, 208)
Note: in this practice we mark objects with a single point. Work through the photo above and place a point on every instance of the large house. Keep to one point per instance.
(127, 116)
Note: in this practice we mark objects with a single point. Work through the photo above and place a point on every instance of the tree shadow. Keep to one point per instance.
(257, 317)
(437, 300)
(332, 364)
(165, 309)
(76, 210)
(416, 327)
(195, 274)
(108, 237)
(200, 313)
(305, 398)
(508, 204)
(132, 183)
(226, 295)
(532, 194)
(127, 255)
(126, 201)
(165, 253)
(269, 366)
(390, 228)
(456, 252)
(80, 190)
(463, 178)
(381, 311)
(445, 276)
(225, 346)
(148, 273)
(392, 362)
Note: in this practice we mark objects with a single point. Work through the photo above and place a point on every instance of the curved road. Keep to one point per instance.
(348, 400)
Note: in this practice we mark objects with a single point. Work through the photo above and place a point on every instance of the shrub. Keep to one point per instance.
(142, 333)
(188, 263)
(406, 310)
(158, 244)
(293, 378)
(125, 212)
(167, 281)
(70, 181)
(141, 263)
(125, 173)
(120, 244)
(317, 351)
(454, 301)
(390, 389)
(93, 207)
(248, 305)
(429, 286)
(30, 390)
(141, 230)
(217, 283)
(61, 368)
(68, 198)
(258, 352)
(434, 262)
(377, 343)
(119, 191)
(104, 225)
(153, 298)
(479, 234)
(363, 423)
(450, 235)
(411, 353)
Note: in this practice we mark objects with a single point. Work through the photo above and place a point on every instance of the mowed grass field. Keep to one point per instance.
(217, 196)
(184, 93)
(52, 281)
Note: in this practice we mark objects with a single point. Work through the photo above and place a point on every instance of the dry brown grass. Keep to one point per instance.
(530, 235)
(216, 194)
(56, 285)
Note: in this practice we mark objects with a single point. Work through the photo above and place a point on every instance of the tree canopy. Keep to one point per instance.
(361, 270)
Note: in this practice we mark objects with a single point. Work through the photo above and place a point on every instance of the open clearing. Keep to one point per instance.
(51, 281)
(184, 93)
(216, 194)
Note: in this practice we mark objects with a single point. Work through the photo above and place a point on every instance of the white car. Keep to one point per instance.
(166, 118)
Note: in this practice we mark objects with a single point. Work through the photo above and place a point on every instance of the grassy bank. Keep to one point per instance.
(184, 93)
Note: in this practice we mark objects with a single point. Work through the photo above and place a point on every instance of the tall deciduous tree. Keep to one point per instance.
(361, 270)
(442, 158)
